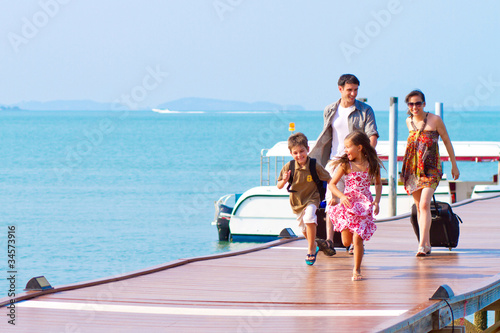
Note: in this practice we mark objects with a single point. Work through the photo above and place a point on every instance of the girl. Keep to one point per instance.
(422, 168)
(353, 216)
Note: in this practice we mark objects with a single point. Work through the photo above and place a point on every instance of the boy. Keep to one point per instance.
(304, 194)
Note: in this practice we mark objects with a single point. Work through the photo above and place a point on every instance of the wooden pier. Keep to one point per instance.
(270, 289)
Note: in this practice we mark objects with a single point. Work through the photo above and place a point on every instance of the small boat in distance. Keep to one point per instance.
(169, 111)
(165, 111)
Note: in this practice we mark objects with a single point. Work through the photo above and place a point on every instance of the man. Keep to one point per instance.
(340, 119)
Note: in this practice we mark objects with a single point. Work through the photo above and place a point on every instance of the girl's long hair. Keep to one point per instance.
(357, 138)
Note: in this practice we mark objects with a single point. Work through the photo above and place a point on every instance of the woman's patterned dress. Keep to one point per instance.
(421, 164)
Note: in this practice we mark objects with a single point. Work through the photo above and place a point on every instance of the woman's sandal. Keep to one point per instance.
(357, 277)
(423, 251)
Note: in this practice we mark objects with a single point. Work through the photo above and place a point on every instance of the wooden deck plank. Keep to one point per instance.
(267, 284)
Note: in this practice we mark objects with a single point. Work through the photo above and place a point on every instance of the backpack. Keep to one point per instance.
(312, 168)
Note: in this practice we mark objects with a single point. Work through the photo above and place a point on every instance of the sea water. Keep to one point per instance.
(96, 194)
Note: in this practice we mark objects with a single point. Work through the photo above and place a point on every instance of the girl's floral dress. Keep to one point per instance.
(359, 218)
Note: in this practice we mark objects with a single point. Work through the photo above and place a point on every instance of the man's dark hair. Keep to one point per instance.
(348, 78)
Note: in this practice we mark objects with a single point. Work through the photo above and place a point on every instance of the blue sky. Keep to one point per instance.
(280, 51)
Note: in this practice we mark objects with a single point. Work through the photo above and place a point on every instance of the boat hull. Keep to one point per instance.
(261, 213)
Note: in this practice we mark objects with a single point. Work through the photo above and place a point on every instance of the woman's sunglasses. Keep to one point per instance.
(417, 104)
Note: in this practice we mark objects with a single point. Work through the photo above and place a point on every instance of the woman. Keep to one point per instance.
(422, 168)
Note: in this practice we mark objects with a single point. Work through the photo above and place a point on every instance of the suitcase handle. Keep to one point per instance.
(439, 213)
(436, 207)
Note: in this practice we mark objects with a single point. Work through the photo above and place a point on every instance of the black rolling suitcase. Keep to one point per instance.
(445, 229)
(321, 229)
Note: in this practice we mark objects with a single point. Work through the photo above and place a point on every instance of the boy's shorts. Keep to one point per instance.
(340, 184)
(308, 215)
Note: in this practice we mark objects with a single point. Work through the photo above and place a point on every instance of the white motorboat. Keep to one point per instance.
(164, 111)
(262, 212)
(167, 111)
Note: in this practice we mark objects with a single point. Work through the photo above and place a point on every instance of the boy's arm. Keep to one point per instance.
(281, 183)
(322, 173)
(284, 176)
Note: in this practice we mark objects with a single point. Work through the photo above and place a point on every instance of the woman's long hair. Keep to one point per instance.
(357, 138)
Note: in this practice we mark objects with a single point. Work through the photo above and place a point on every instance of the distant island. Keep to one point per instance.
(191, 104)
(209, 104)
(9, 108)
(183, 104)
(62, 105)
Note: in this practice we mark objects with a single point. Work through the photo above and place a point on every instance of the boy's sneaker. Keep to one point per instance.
(326, 246)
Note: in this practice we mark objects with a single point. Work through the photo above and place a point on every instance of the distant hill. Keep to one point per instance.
(208, 104)
(9, 108)
(183, 104)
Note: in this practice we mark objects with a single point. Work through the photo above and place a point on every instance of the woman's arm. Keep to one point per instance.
(441, 128)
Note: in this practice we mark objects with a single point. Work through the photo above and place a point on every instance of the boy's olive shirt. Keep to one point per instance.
(307, 191)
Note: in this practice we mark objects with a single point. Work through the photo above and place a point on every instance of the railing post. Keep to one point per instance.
(439, 109)
(393, 155)
(265, 160)
(498, 173)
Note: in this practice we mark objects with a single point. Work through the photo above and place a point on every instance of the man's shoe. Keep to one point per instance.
(331, 248)
(326, 246)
